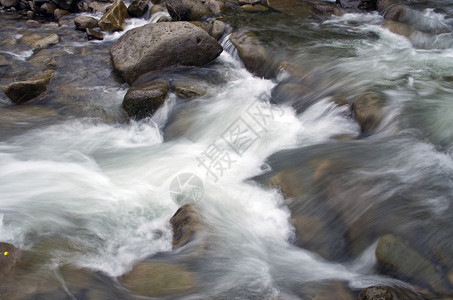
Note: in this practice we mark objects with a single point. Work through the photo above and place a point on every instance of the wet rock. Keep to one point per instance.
(187, 10)
(156, 2)
(186, 225)
(397, 13)
(368, 111)
(137, 8)
(158, 8)
(326, 290)
(328, 9)
(217, 29)
(252, 53)
(9, 256)
(189, 91)
(115, 18)
(294, 8)
(58, 13)
(49, 40)
(84, 22)
(396, 258)
(65, 4)
(400, 28)
(99, 6)
(161, 45)
(29, 39)
(158, 279)
(358, 4)
(143, 100)
(48, 8)
(93, 34)
(254, 8)
(388, 293)
(9, 3)
(23, 91)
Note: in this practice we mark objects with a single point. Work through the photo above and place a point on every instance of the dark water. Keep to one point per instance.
(84, 188)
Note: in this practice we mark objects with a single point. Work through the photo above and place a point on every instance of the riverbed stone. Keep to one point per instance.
(59, 13)
(84, 22)
(137, 8)
(367, 109)
(93, 34)
(99, 6)
(48, 8)
(186, 225)
(9, 3)
(217, 29)
(9, 257)
(23, 91)
(160, 279)
(161, 45)
(187, 10)
(189, 91)
(252, 53)
(357, 4)
(47, 41)
(115, 17)
(143, 100)
(395, 257)
(388, 293)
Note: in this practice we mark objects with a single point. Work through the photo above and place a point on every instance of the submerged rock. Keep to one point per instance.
(9, 256)
(157, 46)
(368, 111)
(23, 91)
(396, 258)
(252, 53)
(159, 279)
(84, 22)
(143, 100)
(138, 8)
(49, 40)
(115, 18)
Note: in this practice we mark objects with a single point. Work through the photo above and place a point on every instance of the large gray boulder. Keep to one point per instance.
(161, 45)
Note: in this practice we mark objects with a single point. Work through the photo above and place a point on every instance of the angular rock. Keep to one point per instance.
(387, 293)
(187, 10)
(9, 256)
(142, 101)
(9, 3)
(396, 258)
(49, 40)
(23, 91)
(186, 224)
(189, 91)
(93, 34)
(161, 45)
(137, 8)
(115, 18)
(158, 279)
(368, 111)
(84, 22)
(252, 53)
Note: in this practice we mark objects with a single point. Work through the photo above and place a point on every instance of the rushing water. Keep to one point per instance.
(81, 185)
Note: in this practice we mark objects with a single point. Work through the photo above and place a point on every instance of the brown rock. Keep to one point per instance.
(99, 6)
(387, 293)
(84, 22)
(186, 225)
(58, 13)
(9, 256)
(93, 34)
(142, 101)
(49, 40)
(23, 91)
(137, 8)
(115, 18)
(157, 279)
(217, 29)
(368, 111)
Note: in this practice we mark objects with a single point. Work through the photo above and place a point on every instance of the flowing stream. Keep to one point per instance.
(82, 185)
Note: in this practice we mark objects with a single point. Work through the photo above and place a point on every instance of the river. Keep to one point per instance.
(82, 185)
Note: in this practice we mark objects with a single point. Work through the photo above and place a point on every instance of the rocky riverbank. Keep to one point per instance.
(335, 212)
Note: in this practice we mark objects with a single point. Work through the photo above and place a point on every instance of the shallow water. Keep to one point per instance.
(81, 185)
